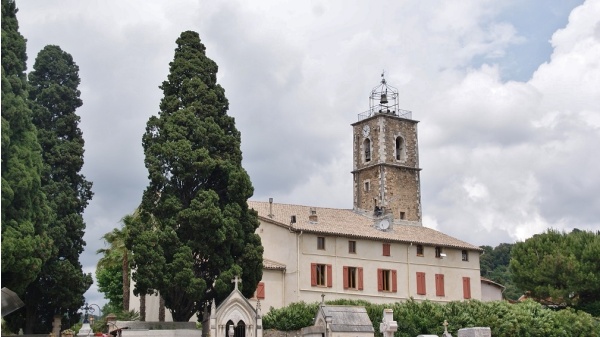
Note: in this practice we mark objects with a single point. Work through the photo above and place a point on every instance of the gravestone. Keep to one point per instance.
(388, 326)
(475, 332)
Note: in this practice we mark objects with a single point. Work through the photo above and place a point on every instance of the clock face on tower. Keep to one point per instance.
(366, 129)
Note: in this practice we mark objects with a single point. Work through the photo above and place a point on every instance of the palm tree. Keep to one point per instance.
(118, 254)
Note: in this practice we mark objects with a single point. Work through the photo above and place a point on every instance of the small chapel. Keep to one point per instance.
(378, 250)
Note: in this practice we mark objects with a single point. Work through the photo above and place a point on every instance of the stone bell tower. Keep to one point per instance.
(386, 160)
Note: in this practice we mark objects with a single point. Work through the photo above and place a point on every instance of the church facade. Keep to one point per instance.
(378, 250)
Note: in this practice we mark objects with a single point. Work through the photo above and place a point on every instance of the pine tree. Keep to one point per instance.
(196, 232)
(25, 244)
(54, 97)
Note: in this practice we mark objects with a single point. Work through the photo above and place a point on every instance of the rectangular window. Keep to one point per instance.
(321, 242)
(421, 290)
(466, 287)
(402, 215)
(387, 280)
(320, 275)
(419, 250)
(465, 255)
(438, 252)
(367, 186)
(352, 247)
(386, 249)
(260, 291)
(439, 285)
(353, 278)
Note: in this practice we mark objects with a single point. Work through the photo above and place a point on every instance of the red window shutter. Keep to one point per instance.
(421, 284)
(313, 274)
(386, 249)
(439, 285)
(380, 279)
(329, 276)
(345, 274)
(394, 281)
(466, 287)
(260, 291)
(360, 278)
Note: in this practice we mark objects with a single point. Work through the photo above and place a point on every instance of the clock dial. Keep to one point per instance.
(366, 130)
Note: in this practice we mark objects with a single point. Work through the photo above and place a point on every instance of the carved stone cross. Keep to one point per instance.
(236, 280)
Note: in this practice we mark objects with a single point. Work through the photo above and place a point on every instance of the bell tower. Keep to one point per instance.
(386, 160)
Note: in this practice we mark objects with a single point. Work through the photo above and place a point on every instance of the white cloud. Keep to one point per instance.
(502, 159)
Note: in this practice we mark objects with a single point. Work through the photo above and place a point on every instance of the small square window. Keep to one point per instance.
(321, 242)
(465, 255)
(386, 249)
(419, 250)
(352, 247)
(402, 215)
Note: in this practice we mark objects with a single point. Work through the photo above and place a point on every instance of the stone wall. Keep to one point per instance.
(277, 333)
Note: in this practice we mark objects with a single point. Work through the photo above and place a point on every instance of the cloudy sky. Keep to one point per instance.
(507, 93)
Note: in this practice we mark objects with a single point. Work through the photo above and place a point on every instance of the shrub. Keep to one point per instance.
(414, 318)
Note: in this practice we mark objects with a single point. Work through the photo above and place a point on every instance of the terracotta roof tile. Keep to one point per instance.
(270, 264)
(346, 222)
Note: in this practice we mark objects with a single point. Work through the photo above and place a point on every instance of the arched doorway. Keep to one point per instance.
(238, 331)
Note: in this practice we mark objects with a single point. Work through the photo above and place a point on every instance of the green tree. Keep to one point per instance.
(196, 232)
(116, 256)
(25, 244)
(559, 268)
(54, 98)
(110, 282)
(495, 266)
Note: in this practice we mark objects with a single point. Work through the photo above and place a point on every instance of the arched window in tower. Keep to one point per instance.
(400, 149)
(367, 147)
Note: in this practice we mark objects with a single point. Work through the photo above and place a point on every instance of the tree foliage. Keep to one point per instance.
(560, 268)
(494, 264)
(116, 256)
(54, 98)
(25, 244)
(196, 232)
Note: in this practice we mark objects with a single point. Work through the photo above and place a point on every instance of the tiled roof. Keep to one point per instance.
(270, 264)
(346, 222)
(488, 281)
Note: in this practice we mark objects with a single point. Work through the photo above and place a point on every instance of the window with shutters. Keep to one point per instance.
(353, 278)
(439, 285)
(421, 290)
(260, 291)
(320, 275)
(465, 255)
(352, 247)
(386, 249)
(321, 242)
(387, 280)
(419, 250)
(466, 287)
(438, 252)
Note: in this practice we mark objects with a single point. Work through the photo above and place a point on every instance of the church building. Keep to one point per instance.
(379, 250)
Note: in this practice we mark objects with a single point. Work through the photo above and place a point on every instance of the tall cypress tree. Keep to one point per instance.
(25, 244)
(196, 232)
(54, 97)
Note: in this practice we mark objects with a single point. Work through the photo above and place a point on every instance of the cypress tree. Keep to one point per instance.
(54, 97)
(25, 244)
(196, 232)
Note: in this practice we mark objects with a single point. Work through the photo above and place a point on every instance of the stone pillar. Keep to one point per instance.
(213, 319)
(56, 324)
(475, 332)
(111, 320)
(388, 326)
